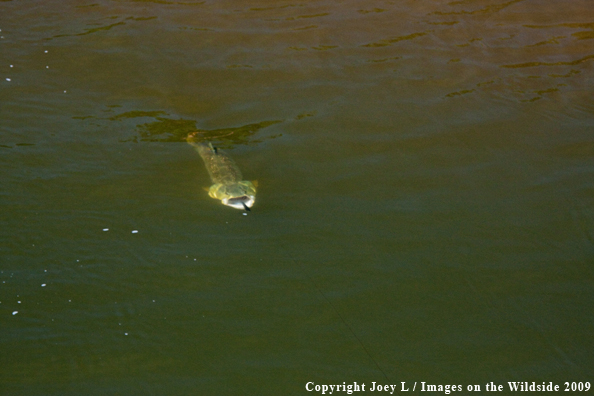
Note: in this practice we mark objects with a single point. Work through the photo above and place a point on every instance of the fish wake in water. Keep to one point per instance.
(228, 186)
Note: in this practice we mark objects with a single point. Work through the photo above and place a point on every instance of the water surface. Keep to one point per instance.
(424, 213)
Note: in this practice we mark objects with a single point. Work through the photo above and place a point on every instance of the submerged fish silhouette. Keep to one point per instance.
(226, 177)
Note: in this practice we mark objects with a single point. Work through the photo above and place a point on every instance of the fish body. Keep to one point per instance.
(228, 186)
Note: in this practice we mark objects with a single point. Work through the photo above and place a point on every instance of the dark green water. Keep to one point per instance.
(425, 209)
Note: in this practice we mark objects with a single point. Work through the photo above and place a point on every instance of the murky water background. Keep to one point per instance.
(425, 209)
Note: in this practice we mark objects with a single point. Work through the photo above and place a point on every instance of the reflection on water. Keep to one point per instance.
(177, 130)
(425, 201)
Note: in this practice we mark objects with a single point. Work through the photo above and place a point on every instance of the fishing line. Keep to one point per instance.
(336, 311)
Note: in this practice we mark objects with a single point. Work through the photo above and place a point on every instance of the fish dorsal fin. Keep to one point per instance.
(207, 189)
(255, 183)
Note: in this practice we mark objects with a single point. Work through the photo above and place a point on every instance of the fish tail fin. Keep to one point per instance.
(191, 138)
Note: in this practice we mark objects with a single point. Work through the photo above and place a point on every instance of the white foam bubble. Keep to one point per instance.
(43, 285)
(15, 312)
(106, 229)
(7, 79)
(134, 231)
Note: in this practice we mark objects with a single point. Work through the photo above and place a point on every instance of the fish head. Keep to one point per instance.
(243, 202)
(237, 195)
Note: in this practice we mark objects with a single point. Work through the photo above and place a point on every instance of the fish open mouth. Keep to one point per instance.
(243, 202)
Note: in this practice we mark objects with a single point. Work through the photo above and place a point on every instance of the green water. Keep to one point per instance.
(425, 209)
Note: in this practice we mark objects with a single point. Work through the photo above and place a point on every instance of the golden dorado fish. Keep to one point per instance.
(226, 177)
